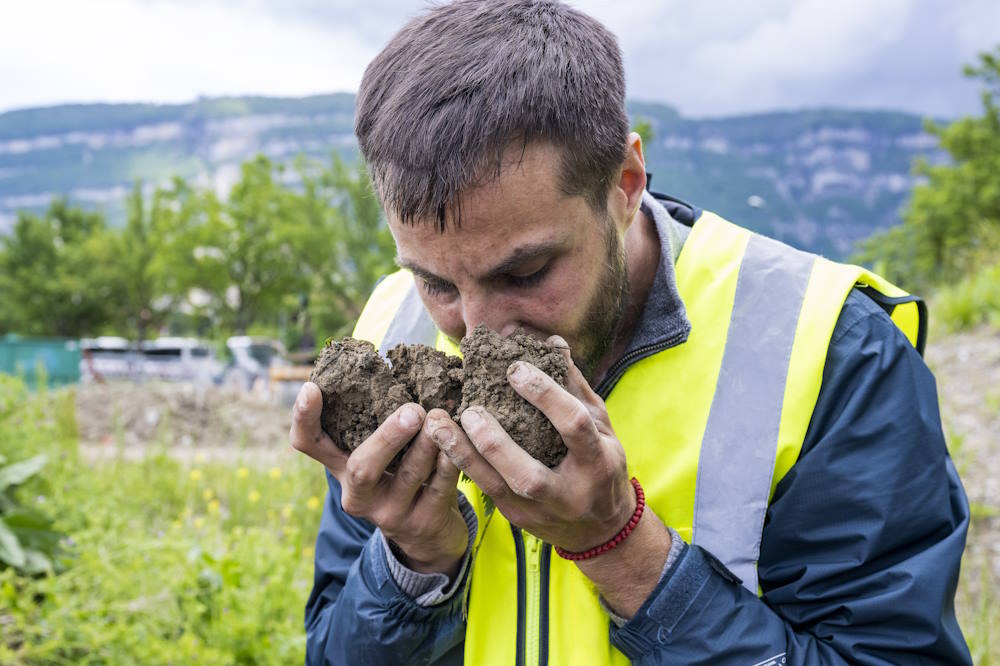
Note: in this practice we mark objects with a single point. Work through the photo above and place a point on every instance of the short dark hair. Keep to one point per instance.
(460, 84)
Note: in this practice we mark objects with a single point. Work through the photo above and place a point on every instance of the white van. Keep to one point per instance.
(180, 360)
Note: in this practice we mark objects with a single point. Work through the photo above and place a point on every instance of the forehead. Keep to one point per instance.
(523, 206)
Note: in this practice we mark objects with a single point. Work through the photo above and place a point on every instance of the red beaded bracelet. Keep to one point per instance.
(640, 504)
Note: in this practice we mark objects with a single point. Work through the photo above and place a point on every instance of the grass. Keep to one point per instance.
(163, 563)
(171, 563)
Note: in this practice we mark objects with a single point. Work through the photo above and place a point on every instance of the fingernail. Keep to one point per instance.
(300, 401)
(443, 436)
(471, 418)
(408, 417)
(518, 372)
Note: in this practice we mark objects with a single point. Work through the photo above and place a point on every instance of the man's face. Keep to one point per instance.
(526, 255)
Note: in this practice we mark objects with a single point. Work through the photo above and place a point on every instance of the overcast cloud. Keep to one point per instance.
(708, 58)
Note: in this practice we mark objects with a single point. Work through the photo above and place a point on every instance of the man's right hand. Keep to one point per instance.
(416, 507)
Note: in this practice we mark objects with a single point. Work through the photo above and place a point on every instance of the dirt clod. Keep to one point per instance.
(360, 390)
(487, 356)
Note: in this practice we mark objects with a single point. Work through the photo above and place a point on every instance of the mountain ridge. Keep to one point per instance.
(820, 179)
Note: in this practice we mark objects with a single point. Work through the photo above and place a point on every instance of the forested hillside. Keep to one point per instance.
(820, 179)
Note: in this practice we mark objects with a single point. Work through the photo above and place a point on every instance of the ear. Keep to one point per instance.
(626, 195)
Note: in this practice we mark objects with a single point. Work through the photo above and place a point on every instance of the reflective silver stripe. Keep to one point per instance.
(741, 438)
(411, 324)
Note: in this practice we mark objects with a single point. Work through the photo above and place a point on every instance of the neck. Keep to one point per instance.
(642, 256)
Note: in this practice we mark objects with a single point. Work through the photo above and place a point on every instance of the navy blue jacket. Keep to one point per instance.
(859, 557)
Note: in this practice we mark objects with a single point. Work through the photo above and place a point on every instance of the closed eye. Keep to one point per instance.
(530, 280)
(435, 288)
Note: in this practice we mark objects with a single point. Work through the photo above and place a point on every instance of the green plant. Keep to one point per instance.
(27, 541)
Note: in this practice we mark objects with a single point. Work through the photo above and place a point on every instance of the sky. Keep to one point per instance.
(708, 58)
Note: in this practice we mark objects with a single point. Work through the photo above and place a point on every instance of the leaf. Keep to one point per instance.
(10, 548)
(18, 473)
(36, 562)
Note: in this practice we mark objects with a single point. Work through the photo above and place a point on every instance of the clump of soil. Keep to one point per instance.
(433, 378)
(487, 356)
(360, 390)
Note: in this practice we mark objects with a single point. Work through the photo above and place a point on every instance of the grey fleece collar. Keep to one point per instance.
(663, 323)
(663, 316)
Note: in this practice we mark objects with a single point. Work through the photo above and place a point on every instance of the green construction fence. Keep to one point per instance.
(55, 361)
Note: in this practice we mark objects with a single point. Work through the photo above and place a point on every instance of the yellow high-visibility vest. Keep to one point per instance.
(709, 427)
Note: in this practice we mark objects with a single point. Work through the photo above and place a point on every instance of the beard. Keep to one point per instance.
(602, 320)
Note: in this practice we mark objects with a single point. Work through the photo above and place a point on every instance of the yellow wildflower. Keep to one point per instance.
(313, 503)
(208, 494)
(199, 523)
(253, 496)
(274, 473)
(213, 506)
(195, 474)
(243, 472)
(286, 511)
(308, 552)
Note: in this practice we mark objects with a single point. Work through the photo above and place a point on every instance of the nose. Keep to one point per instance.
(482, 309)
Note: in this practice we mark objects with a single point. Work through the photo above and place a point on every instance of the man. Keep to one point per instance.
(794, 503)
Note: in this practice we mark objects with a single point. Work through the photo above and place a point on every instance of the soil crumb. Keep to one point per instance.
(487, 356)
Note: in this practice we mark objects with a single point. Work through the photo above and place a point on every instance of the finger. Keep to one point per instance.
(453, 441)
(525, 476)
(416, 466)
(307, 435)
(576, 383)
(368, 462)
(443, 485)
(568, 414)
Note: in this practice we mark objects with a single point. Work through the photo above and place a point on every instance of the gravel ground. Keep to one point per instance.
(190, 420)
(967, 367)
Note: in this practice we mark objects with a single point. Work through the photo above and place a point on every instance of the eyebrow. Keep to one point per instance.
(518, 256)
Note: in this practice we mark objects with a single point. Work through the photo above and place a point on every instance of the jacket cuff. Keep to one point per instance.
(431, 589)
(673, 597)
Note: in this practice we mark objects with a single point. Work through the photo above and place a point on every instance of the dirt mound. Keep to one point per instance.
(177, 414)
(360, 390)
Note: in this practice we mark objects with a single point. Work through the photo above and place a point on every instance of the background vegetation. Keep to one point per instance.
(267, 258)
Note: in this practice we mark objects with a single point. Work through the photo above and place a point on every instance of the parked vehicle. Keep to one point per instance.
(109, 357)
(250, 362)
(181, 359)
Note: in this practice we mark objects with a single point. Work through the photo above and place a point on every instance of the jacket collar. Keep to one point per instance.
(663, 323)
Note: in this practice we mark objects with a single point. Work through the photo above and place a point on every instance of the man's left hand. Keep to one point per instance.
(582, 502)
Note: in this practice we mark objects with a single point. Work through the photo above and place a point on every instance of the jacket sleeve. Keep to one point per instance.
(861, 544)
(357, 614)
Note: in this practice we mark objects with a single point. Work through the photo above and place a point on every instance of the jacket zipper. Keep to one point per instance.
(533, 559)
(616, 371)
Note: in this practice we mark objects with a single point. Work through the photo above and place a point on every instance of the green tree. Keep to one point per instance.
(242, 252)
(349, 246)
(952, 223)
(139, 301)
(644, 127)
(56, 274)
